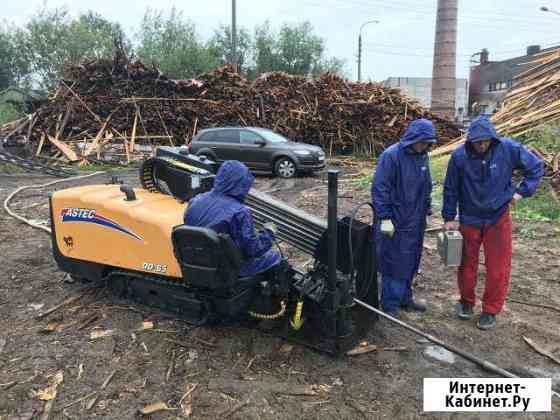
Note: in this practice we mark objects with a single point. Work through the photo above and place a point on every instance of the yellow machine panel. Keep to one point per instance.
(95, 223)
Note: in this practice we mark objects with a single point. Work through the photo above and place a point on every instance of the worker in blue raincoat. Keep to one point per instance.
(401, 196)
(480, 184)
(223, 211)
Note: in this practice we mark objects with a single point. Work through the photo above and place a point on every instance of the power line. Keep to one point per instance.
(461, 48)
(430, 56)
(429, 15)
(463, 12)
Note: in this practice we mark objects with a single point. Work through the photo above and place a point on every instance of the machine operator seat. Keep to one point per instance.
(209, 260)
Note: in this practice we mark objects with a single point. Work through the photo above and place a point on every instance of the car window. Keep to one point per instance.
(210, 136)
(273, 137)
(248, 138)
(227, 136)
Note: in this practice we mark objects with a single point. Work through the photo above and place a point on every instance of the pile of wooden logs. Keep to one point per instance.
(119, 110)
(533, 101)
(340, 115)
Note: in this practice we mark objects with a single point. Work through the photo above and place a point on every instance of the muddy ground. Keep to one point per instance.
(234, 372)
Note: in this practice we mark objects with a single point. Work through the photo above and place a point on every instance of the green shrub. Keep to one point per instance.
(8, 112)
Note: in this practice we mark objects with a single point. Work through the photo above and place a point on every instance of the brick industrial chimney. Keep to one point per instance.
(445, 52)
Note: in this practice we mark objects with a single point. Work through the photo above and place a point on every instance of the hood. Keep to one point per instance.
(233, 179)
(292, 145)
(419, 131)
(481, 128)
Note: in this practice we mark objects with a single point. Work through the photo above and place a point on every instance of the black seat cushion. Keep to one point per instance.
(207, 259)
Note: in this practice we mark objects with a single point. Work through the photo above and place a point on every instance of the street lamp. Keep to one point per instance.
(546, 9)
(360, 48)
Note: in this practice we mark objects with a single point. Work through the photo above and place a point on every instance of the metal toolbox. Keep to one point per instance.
(450, 247)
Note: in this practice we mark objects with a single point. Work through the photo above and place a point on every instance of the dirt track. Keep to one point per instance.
(243, 369)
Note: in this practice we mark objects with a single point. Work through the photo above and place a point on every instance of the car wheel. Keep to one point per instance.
(285, 167)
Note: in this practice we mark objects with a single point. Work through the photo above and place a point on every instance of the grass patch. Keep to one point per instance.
(8, 168)
(544, 206)
(364, 181)
(438, 168)
(546, 138)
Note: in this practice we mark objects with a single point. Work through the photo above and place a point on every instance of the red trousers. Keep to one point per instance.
(496, 240)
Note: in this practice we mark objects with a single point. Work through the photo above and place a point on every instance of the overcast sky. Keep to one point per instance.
(401, 45)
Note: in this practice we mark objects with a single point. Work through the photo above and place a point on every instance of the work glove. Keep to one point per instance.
(387, 227)
(271, 227)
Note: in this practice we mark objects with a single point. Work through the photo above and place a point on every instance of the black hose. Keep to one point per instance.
(278, 246)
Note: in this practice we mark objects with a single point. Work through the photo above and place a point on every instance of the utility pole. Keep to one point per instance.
(360, 57)
(360, 48)
(234, 35)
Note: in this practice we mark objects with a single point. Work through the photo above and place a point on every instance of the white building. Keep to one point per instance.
(420, 88)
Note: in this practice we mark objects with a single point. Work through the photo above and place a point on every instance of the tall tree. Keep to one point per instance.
(221, 47)
(299, 49)
(330, 65)
(14, 66)
(264, 49)
(52, 39)
(173, 43)
(295, 49)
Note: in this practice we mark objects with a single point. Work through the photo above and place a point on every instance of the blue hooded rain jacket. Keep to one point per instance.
(401, 192)
(482, 186)
(222, 210)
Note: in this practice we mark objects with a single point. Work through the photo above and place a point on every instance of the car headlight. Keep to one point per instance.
(302, 152)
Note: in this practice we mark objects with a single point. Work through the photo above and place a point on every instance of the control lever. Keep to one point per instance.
(129, 192)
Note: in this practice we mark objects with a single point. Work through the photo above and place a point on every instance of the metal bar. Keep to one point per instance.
(331, 302)
(266, 198)
(282, 225)
(287, 224)
(482, 363)
(293, 239)
(333, 229)
(294, 215)
(298, 245)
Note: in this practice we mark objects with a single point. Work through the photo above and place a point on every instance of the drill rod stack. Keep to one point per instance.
(295, 227)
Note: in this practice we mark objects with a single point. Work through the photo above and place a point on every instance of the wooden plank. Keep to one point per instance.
(65, 119)
(19, 127)
(165, 127)
(125, 142)
(541, 351)
(41, 142)
(137, 99)
(60, 305)
(93, 145)
(133, 136)
(65, 149)
(31, 124)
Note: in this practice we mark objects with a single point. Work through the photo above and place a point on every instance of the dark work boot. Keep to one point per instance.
(487, 321)
(391, 312)
(415, 306)
(464, 311)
